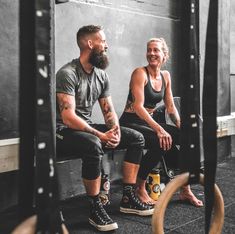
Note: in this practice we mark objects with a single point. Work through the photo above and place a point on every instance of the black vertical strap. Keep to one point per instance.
(48, 217)
(210, 109)
(27, 89)
(190, 97)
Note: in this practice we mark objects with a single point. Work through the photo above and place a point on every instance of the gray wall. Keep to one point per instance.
(224, 95)
(9, 65)
(128, 25)
(224, 98)
(232, 66)
(232, 54)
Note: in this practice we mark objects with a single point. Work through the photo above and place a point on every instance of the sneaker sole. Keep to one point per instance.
(137, 212)
(104, 228)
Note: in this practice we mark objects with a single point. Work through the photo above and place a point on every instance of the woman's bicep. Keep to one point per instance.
(168, 99)
(137, 88)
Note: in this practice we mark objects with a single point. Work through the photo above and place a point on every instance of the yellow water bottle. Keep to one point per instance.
(153, 184)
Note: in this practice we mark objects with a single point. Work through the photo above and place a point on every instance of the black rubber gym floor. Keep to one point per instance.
(179, 218)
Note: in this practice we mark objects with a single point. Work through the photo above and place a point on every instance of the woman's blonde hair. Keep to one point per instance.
(164, 48)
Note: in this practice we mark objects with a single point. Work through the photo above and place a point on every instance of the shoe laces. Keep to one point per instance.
(101, 212)
(137, 200)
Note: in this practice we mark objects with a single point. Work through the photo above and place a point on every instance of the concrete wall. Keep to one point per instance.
(9, 67)
(128, 25)
(232, 66)
(224, 94)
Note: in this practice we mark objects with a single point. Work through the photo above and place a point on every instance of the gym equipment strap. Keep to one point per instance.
(37, 120)
(27, 109)
(190, 97)
(190, 141)
(210, 109)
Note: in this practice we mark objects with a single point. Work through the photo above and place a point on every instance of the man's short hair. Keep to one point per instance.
(86, 31)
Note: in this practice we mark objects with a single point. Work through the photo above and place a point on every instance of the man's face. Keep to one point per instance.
(98, 56)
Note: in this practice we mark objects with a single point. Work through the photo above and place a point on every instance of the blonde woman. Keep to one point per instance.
(150, 85)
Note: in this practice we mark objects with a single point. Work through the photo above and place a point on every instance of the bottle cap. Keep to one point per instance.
(155, 171)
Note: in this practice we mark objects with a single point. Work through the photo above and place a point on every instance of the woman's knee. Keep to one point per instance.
(140, 139)
(132, 137)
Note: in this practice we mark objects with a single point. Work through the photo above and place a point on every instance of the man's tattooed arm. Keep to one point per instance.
(63, 105)
(110, 116)
(66, 105)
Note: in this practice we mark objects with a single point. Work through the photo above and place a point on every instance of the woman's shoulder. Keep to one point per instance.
(166, 76)
(139, 74)
(165, 73)
(139, 69)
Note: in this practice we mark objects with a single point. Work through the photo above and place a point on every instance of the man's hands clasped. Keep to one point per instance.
(111, 138)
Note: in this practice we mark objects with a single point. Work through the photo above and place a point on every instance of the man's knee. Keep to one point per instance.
(93, 146)
(91, 160)
(77, 143)
(134, 143)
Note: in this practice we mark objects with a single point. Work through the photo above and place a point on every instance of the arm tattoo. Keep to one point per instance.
(64, 106)
(129, 106)
(108, 114)
(91, 130)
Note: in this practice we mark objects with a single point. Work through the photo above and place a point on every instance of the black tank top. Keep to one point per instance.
(151, 96)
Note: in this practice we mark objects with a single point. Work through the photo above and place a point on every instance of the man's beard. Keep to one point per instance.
(98, 59)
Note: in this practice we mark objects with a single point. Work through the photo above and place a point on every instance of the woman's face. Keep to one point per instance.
(155, 55)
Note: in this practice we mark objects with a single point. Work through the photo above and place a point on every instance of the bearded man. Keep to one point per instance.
(79, 84)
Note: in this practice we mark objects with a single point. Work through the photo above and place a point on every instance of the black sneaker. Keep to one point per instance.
(100, 219)
(131, 204)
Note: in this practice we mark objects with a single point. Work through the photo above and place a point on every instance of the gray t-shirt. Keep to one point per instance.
(87, 88)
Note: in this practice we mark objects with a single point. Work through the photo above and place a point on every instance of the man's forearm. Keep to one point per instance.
(110, 116)
(111, 120)
(77, 123)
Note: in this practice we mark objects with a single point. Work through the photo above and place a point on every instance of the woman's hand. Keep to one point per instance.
(165, 140)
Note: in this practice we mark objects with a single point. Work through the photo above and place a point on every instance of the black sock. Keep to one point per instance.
(93, 199)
